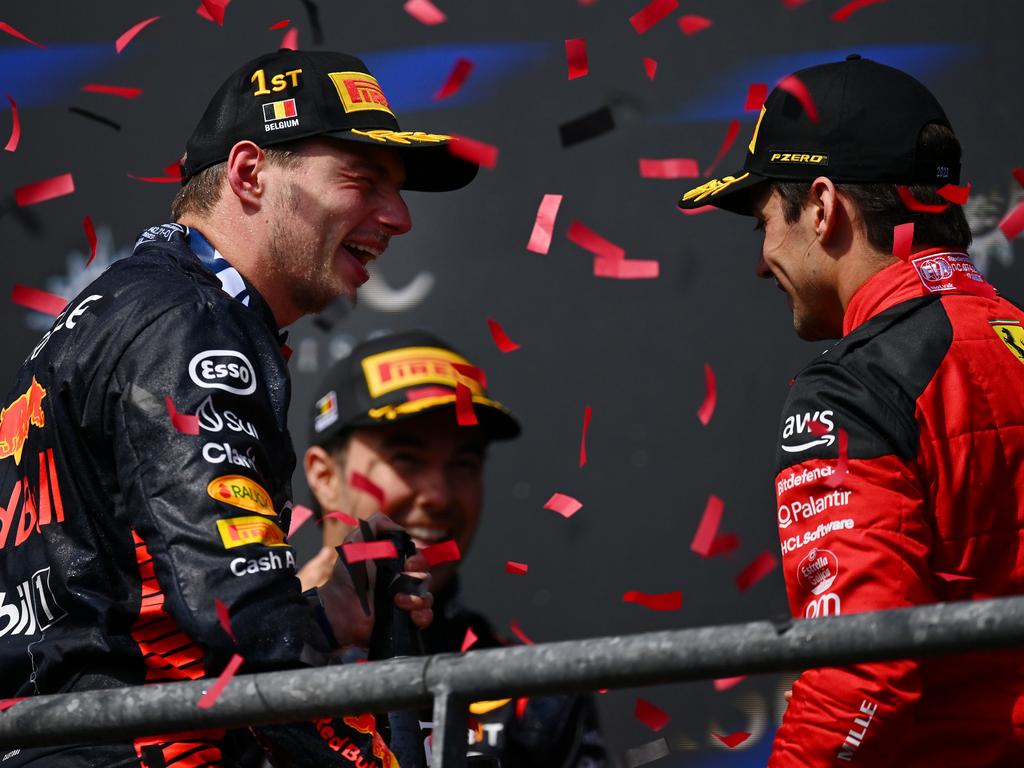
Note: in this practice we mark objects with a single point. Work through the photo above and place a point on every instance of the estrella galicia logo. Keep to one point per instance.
(809, 429)
(223, 369)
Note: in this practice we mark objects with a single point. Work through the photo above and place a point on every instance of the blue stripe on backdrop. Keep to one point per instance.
(37, 77)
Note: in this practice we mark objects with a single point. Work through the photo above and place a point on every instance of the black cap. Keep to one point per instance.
(396, 377)
(869, 120)
(289, 95)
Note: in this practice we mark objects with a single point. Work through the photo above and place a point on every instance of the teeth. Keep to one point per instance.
(431, 535)
(364, 253)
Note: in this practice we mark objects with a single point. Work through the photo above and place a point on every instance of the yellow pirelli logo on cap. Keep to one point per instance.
(414, 366)
(240, 531)
(240, 491)
(359, 91)
(803, 158)
(712, 188)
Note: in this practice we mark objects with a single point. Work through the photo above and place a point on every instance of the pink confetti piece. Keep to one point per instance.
(707, 408)
(589, 240)
(300, 514)
(456, 79)
(469, 640)
(442, 552)
(760, 567)
(343, 517)
(358, 551)
(465, 414)
(953, 193)
(794, 3)
(122, 91)
(667, 601)
(44, 190)
(361, 482)
(6, 704)
(183, 422)
(653, 717)
(210, 697)
(516, 569)
(843, 464)
(129, 35)
(903, 240)
(214, 10)
(626, 269)
(849, 9)
(669, 168)
(587, 413)
(5, 27)
(696, 211)
(544, 224)
(12, 142)
(1013, 223)
(90, 233)
(425, 12)
(730, 137)
(576, 57)
(651, 14)
(913, 204)
(224, 617)
(564, 505)
(501, 339)
(725, 683)
(756, 94)
(707, 529)
(279, 25)
(156, 179)
(691, 24)
(290, 41)
(795, 87)
(40, 301)
(484, 155)
(518, 632)
(650, 67)
(733, 740)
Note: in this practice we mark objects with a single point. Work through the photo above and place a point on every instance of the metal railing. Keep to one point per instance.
(451, 681)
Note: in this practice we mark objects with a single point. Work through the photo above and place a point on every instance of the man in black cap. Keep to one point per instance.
(145, 460)
(387, 413)
(901, 448)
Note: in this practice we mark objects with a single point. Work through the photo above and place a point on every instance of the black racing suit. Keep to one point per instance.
(119, 529)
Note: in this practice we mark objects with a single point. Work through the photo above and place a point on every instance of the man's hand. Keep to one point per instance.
(351, 625)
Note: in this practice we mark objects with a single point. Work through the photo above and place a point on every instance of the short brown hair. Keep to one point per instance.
(882, 208)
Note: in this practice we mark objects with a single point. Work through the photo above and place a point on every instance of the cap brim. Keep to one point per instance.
(495, 419)
(429, 164)
(734, 193)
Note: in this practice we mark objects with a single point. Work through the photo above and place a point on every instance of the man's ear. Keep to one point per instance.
(825, 200)
(245, 166)
(323, 475)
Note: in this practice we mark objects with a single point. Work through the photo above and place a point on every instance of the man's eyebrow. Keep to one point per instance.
(403, 440)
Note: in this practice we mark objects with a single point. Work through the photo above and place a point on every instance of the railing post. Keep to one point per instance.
(451, 724)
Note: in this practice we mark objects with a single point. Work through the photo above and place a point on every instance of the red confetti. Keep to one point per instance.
(653, 717)
(723, 544)
(651, 14)
(469, 640)
(12, 143)
(794, 3)
(668, 601)
(692, 24)
(733, 740)
(214, 10)
(501, 339)
(587, 412)
(544, 224)
(954, 577)
(290, 41)
(843, 464)
(443, 552)
(90, 233)
(424, 12)
(211, 696)
(576, 57)
(1013, 223)
(156, 179)
(914, 204)
(224, 618)
(465, 415)
(124, 91)
(761, 566)
(850, 8)
(6, 704)
(730, 137)
(725, 683)
(128, 36)
(484, 155)
(345, 518)
(1018, 174)
(695, 211)
(300, 514)
(280, 25)
(795, 87)
(650, 67)
(357, 551)
(953, 193)
(41, 191)
(589, 240)
(564, 505)
(903, 240)
(5, 27)
(456, 79)
(516, 569)
(518, 632)
(626, 269)
(707, 529)
(817, 428)
(361, 482)
(669, 168)
(471, 372)
(183, 422)
(40, 301)
(521, 707)
(756, 94)
(707, 408)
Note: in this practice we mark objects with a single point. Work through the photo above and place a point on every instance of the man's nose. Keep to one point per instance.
(433, 489)
(761, 269)
(394, 214)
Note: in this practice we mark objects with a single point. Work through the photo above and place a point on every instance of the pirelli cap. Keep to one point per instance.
(288, 95)
(869, 120)
(396, 377)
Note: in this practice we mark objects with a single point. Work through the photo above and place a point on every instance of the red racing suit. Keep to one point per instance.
(926, 392)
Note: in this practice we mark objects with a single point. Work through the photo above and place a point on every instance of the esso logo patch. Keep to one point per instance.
(817, 572)
(223, 369)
